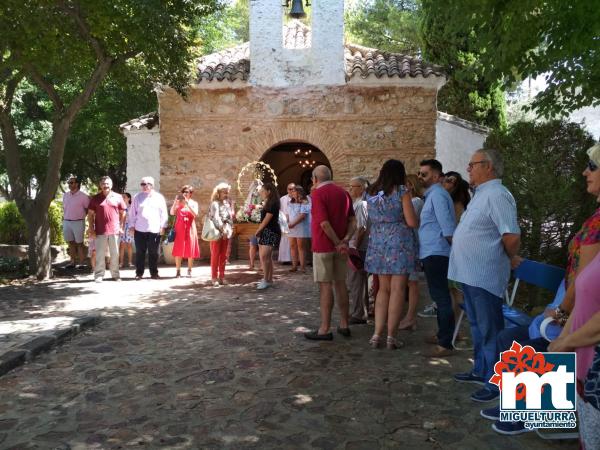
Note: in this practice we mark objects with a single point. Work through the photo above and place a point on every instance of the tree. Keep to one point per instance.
(516, 40)
(225, 28)
(67, 48)
(417, 27)
(95, 146)
(469, 93)
(389, 25)
(543, 165)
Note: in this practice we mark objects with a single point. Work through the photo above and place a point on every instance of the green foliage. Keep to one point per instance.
(390, 25)
(543, 166)
(67, 49)
(12, 226)
(469, 93)
(515, 40)
(226, 27)
(13, 229)
(11, 268)
(55, 214)
(418, 27)
(95, 146)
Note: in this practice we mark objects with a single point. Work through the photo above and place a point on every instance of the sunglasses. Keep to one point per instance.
(422, 174)
(143, 184)
(592, 166)
(186, 192)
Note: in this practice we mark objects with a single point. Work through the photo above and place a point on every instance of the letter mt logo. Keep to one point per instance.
(536, 388)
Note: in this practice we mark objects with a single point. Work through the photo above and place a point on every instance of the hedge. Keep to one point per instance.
(13, 228)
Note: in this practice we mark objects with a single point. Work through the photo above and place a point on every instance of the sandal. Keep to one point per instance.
(189, 273)
(294, 269)
(177, 274)
(393, 344)
(375, 341)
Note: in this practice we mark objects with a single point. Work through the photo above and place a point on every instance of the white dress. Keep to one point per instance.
(284, 245)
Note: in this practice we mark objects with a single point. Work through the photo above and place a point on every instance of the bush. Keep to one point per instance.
(543, 165)
(12, 267)
(55, 214)
(12, 226)
(13, 229)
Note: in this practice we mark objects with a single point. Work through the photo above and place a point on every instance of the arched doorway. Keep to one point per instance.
(293, 162)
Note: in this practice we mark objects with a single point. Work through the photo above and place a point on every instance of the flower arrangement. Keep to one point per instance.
(249, 213)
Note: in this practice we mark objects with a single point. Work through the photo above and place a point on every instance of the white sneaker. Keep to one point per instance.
(98, 280)
(263, 284)
(215, 283)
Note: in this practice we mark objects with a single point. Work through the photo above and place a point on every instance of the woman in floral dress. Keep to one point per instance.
(391, 253)
(186, 244)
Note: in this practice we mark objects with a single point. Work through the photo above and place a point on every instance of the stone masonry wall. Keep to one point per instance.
(209, 136)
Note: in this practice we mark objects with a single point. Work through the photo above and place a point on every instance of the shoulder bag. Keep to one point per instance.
(209, 231)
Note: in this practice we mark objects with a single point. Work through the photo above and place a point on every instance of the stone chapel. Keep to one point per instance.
(295, 96)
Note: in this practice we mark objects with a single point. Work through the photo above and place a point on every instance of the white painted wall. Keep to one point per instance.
(143, 157)
(455, 141)
(275, 66)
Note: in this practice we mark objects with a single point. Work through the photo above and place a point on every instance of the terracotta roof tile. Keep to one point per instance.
(230, 64)
(148, 121)
(364, 62)
(234, 63)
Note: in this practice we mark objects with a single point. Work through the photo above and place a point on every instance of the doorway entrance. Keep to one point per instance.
(293, 162)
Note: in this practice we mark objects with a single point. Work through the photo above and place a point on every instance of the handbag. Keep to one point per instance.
(283, 223)
(209, 231)
(171, 235)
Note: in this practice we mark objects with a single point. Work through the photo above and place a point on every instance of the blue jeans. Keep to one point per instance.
(436, 272)
(521, 335)
(484, 311)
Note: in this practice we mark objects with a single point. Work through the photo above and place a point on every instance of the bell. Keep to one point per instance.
(297, 10)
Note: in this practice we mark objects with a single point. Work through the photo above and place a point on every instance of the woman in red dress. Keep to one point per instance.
(186, 245)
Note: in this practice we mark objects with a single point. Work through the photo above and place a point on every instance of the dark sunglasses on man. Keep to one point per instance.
(592, 166)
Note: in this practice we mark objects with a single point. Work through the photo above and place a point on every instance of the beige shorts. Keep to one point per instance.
(73, 230)
(328, 267)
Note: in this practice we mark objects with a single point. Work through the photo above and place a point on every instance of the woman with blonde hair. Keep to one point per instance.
(416, 189)
(186, 244)
(221, 215)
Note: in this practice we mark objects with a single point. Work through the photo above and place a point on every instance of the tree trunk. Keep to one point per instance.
(38, 238)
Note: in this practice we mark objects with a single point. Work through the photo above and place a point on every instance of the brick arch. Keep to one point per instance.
(298, 132)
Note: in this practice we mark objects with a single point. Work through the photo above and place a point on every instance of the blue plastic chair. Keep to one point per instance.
(538, 274)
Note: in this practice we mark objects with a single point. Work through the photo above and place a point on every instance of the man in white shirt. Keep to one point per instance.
(147, 220)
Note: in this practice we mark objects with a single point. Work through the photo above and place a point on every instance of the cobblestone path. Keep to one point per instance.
(176, 364)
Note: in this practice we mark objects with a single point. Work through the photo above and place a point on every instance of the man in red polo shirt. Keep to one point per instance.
(106, 214)
(332, 226)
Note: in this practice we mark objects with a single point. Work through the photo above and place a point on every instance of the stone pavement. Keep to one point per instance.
(175, 364)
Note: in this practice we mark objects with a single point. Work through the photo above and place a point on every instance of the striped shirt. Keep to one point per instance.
(478, 257)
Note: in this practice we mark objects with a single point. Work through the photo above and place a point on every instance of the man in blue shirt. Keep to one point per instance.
(435, 236)
(485, 245)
